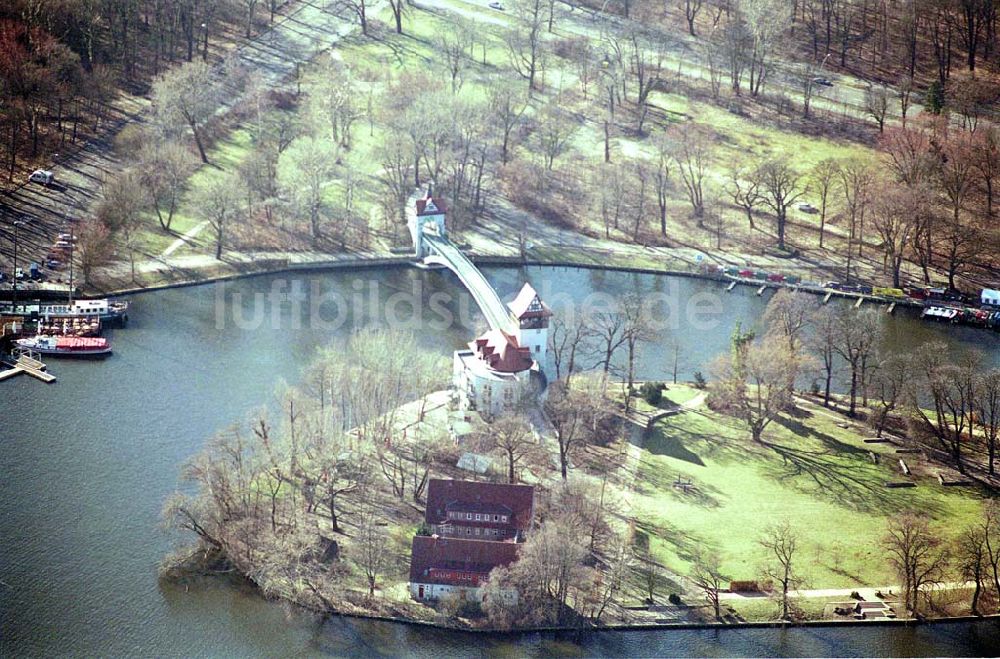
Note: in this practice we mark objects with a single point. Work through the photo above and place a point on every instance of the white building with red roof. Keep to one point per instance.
(492, 375)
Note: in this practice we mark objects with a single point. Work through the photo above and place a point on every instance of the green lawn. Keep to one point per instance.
(814, 474)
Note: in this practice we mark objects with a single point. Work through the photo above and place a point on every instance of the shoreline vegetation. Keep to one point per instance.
(315, 498)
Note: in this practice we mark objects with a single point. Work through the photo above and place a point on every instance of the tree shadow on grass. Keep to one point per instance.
(792, 423)
(656, 481)
(857, 484)
(669, 442)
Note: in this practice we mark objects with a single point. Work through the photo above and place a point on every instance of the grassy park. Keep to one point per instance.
(811, 472)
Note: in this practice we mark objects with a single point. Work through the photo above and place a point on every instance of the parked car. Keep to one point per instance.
(43, 176)
(68, 237)
(496, 5)
(823, 82)
(808, 208)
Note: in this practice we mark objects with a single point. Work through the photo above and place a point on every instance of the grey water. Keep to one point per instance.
(87, 463)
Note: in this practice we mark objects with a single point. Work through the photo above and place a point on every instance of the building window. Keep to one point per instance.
(477, 517)
(468, 515)
(503, 518)
(477, 530)
(538, 348)
(496, 518)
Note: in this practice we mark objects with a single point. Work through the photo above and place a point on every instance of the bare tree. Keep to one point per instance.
(987, 407)
(857, 179)
(779, 188)
(895, 216)
(93, 247)
(511, 436)
(164, 168)
(370, 544)
(661, 179)
(914, 553)
(578, 416)
(186, 96)
(752, 383)
(857, 337)
(689, 147)
(951, 387)
(360, 10)
(823, 341)
(745, 191)
(306, 167)
(508, 105)
(877, 104)
(555, 131)
(972, 559)
(219, 201)
(399, 8)
(708, 577)
(691, 9)
(568, 343)
(781, 544)
(524, 41)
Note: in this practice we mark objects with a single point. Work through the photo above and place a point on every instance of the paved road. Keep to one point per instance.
(309, 28)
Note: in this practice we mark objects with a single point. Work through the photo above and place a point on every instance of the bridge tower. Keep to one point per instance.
(533, 325)
(427, 213)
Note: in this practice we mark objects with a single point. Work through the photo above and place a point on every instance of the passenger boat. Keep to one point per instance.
(66, 346)
(69, 326)
(105, 310)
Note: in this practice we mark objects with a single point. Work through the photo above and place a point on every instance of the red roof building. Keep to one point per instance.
(431, 205)
(490, 511)
(501, 352)
(455, 562)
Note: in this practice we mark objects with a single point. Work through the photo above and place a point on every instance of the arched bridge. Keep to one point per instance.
(441, 251)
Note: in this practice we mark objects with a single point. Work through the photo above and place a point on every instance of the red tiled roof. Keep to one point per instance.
(458, 555)
(442, 493)
(527, 304)
(501, 352)
(438, 202)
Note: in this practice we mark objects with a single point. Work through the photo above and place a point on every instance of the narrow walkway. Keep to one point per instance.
(185, 239)
(496, 312)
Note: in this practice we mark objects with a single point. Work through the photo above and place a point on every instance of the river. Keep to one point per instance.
(88, 462)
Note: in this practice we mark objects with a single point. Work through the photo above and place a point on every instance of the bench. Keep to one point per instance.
(902, 465)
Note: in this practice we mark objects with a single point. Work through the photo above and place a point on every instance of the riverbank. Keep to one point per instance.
(192, 270)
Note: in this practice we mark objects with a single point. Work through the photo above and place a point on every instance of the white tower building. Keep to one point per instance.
(533, 326)
(427, 211)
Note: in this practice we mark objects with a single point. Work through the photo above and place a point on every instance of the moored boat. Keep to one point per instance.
(66, 346)
(105, 310)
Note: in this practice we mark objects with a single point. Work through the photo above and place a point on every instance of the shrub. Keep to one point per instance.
(651, 392)
(814, 388)
(674, 599)
(699, 380)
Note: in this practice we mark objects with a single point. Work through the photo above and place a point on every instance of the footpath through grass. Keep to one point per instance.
(813, 473)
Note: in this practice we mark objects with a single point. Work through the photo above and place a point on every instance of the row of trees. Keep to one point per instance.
(952, 402)
(62, 64)
(290, 503)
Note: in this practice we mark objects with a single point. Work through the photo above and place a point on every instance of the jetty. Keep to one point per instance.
(28, 365)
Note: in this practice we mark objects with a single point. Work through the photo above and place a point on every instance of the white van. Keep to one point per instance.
(42, 176)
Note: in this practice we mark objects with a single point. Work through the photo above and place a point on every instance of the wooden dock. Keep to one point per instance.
(30, 366)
